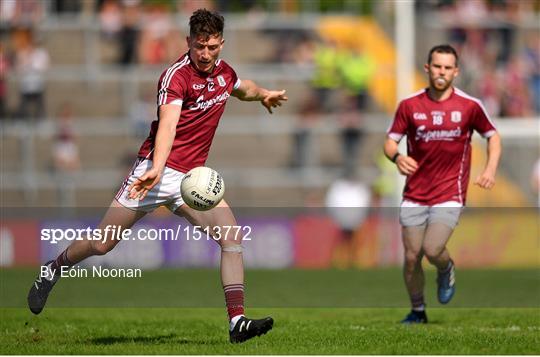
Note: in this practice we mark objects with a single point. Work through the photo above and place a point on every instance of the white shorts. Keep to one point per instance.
(165, 193)
(414, 214)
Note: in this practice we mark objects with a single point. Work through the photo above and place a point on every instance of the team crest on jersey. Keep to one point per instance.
(419, 116)
(455, 117)
(221, 81)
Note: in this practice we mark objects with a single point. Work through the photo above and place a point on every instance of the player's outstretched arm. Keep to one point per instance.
(249, 91)
(487, 178)
(406, 165)
(168, 118)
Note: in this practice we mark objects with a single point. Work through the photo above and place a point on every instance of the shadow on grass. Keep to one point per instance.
(160, 339)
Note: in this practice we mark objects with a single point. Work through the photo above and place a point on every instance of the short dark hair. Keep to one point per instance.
(206, 23)
(443, 49)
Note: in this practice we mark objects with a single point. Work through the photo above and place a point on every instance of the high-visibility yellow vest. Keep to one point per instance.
(326, 74)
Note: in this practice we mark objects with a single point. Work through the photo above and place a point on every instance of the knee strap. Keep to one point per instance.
(237, 248)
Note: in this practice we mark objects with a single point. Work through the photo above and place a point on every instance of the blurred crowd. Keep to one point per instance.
(339, 87)
(498, 41)
(500, 60)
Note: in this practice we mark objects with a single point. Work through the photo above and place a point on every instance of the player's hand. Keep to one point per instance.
(273, 99)
(406, 165)
(486, 180)
(143, 184)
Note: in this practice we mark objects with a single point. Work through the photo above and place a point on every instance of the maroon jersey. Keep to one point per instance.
(439, 139)
(202, 97)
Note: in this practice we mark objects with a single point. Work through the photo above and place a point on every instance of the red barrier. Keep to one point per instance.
(19, 242)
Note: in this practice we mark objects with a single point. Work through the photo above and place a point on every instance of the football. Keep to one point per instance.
(202, 188)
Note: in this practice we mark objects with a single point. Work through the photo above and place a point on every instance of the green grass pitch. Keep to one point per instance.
(316, 312)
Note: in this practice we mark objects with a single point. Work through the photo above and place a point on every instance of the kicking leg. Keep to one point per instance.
(116, 215)
(232, 268)
(79, 250)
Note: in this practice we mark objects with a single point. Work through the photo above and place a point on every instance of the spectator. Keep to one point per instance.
(476, 52)
(326, 78)
(292, 46)
(351, 133)
(65, 157)
(21, 13)
(307, 119)
(303, 51)
(110, 19)
(516, 101)
(65, 150)
(532, 59)
(31, 63)
(347, 202)
(7, 12)
(156, 28)
(470, 12)
(489, 88)
(356, 70)
(129, 33)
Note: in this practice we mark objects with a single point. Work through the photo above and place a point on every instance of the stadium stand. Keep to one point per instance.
(252, 150)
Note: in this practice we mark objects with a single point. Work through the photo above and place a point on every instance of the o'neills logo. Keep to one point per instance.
(437, 135)
(201, 199)
(205, 104)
